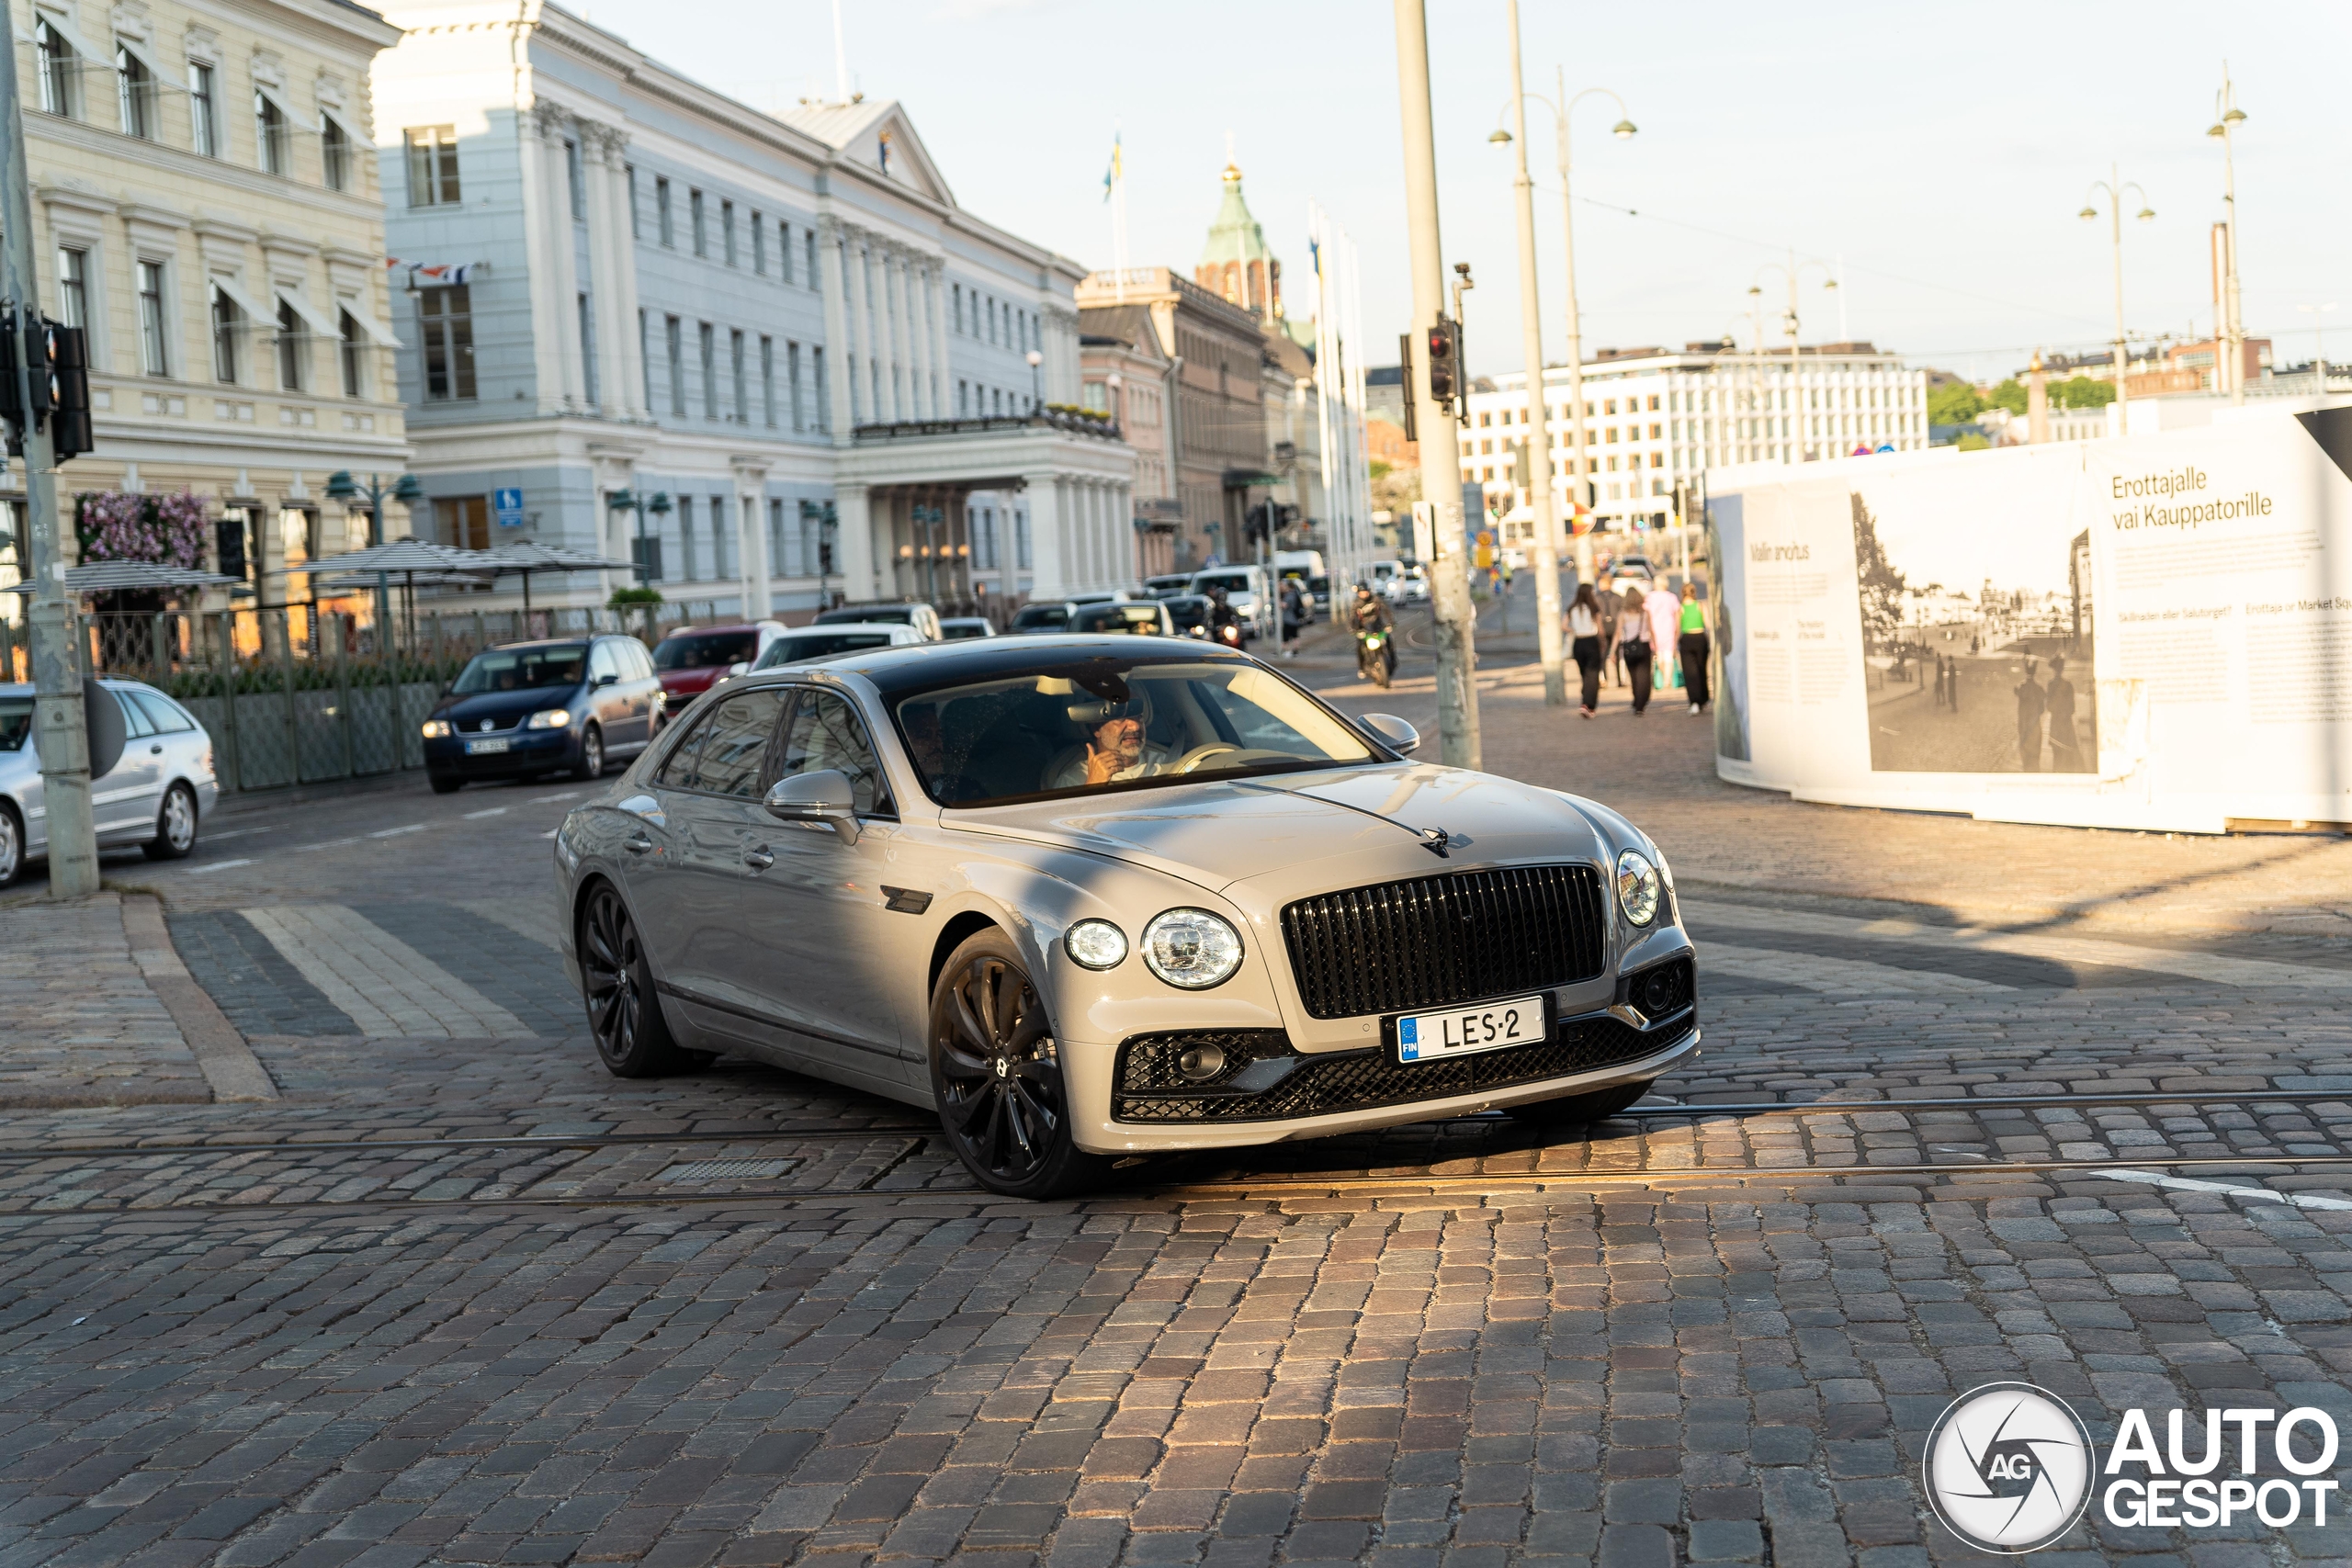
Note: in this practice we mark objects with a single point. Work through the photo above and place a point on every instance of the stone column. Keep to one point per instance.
(860, 366)
(890, 335)
(919, 311)
(751, 542)
(944, 390)
(563, 275)
(855, 534)
(600, 151)
(539, 260)
(1049, 573)
(837, 390)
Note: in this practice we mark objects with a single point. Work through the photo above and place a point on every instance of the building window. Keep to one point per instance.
(963, 399)
(792, 382)
(636, 224)
(154, 342)
(686, 563)
(675, 330)
(431, 165)
(767, 380)
(226, 323)
(956, 294)
(1021, 541)
(645, 357)
(727, 232)
(824, 398)
(135, 90)
(203, 111)
(665, 226)
(736, 367)
(783, 249)
(73, 286)
(462, 521)
(59, 70)
(575, 178)
(706, 344)
(270, 132)
(446, 316)
(809, 238)
(351, 344)
(334, 153)
(759, 246)
(588, 350)
(694, 220)
(289, 348)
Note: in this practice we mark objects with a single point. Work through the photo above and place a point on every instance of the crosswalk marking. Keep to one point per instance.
(380, 983)
(1839, 976)
(2213, 967)
(532, 918)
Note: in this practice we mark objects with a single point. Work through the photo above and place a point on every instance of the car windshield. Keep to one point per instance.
(1040, 615)
(1190, 611)
(1143, 620)
(704, 650)
(903, 614)
(16, 723)
(825, 645)
(1231, 581)
(523, 670)
(956, 630)
(1116, 724)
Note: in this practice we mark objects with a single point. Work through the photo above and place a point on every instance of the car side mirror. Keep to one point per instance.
(1395, 732)
(823, 797)
(739, 668)
(602, 681)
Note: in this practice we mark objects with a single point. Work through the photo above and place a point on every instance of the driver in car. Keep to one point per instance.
(1117, 750)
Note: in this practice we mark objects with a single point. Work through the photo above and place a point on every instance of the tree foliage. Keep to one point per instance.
(2010, 395)
(2081, 392)
(1954, 403)
(1880, 584)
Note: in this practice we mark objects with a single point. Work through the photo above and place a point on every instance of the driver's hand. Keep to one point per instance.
(1100, 765)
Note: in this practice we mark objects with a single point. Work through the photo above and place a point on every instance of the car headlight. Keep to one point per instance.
(438, 730)
(1190, 949)
(551, 719)
(1637, 887)
(1097, 945)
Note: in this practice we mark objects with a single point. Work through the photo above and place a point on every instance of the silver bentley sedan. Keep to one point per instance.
(156, 796)
(1096, 896)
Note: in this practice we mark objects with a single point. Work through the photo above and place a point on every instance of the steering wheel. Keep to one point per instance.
(1199, 755)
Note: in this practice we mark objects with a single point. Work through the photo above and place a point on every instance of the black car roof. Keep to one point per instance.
(923, 667)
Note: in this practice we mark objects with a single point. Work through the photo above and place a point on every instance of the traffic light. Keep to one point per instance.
(69, 422)
(1442, 344)
(1288, 516)
(229, 533)
(1405, 360)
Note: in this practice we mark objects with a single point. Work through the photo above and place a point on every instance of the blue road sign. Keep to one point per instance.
(508, 505)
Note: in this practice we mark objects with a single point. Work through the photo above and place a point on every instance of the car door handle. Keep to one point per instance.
(154, 751)
(637, 845)
(758, 859)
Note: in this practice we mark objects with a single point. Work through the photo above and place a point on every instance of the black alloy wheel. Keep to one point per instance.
(592, 755)
(1575, 1110)
(632, 1037)
(996, 1073)
(12, 844)
(174, 826)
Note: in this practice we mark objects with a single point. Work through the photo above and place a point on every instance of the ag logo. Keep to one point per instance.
(2008, 1468)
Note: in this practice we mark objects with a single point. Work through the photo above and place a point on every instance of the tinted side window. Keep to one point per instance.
(640, 661)
(161, 713)
(678, 767)
(134, 718)
(735, 741)
(603, 660)
(825, 733)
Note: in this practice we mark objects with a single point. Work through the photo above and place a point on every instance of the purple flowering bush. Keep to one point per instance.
(168, 530)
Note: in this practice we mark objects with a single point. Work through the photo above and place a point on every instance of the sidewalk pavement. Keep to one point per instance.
(101, 1011)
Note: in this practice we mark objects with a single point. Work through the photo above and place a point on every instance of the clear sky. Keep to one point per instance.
(1942, 155)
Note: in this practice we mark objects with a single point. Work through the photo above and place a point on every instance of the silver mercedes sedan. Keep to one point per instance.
(156, 796)
(1095, 896)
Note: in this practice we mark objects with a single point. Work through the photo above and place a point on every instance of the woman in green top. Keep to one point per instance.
(1692, 646)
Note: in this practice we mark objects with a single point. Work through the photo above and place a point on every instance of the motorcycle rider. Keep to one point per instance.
(1222, 614)
(1368, 614)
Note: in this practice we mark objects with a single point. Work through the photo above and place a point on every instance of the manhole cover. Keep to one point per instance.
(728, 1170)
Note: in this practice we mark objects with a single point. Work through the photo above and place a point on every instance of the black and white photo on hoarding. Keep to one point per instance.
(1977, 648)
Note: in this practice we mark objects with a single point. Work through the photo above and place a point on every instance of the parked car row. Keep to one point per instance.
(156, 796)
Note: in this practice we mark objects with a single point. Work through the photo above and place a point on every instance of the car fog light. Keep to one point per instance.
(1637, 887)
(1097, 945)
(1660, 993)
(1201, 1063)
(551, 719)
(1190, 949)
(437, 730)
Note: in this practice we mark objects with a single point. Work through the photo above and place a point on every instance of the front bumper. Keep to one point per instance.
(528, 751)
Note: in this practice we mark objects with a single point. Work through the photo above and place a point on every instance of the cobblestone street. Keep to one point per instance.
(457, 1295)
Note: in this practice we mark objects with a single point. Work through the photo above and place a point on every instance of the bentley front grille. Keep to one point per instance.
(1437, 941)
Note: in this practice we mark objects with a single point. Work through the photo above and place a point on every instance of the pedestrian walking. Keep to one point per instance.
(1692, 645)
(1952, 696)
(1665, 611)
(1612, 665)
(1583, 621)
(1939, 679)
(1637, 647)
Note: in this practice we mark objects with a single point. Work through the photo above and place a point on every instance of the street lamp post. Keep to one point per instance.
(1789, 317)
(1537, 428)
(342, 487)
(630, 501)
(2227, 119)
(1036, 382)
(2115, 186)
(2319, 340)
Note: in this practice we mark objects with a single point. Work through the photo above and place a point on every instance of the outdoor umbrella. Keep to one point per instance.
(529, 557)
(407, 557)
(111, 576)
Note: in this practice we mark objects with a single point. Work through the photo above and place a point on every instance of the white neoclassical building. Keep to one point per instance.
(819, 375)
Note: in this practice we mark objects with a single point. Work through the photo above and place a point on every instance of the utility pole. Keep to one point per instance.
(2114, 185)
(1538, 459)
(1457, 689)
(61, 732)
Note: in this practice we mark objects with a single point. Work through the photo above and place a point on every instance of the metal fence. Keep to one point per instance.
(305, 694)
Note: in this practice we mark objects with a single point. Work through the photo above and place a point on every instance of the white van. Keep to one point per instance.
(1307, 564)
(1245, 587)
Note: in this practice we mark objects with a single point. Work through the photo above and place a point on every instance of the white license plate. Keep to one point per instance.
(485, 747)
(1490, 1026)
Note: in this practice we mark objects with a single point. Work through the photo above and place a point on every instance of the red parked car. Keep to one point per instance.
(691, 657)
